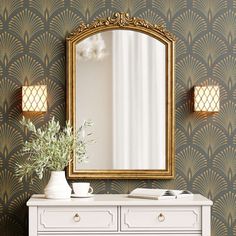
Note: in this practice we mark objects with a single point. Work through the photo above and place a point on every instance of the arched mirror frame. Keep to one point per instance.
(125, 22)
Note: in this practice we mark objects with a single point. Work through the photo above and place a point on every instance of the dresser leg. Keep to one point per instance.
(33, 218)
(206, 221)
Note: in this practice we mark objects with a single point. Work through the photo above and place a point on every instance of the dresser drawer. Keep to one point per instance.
(160, 218)
(77, 218)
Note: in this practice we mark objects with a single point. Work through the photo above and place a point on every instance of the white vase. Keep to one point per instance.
(57, 187)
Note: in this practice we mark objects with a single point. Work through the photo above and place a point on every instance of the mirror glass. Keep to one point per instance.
(121, 86)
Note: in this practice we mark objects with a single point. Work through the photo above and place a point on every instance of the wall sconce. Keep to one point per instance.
(34, 98)
(207, 98)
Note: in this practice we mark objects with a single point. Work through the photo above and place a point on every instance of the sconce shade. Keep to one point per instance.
(207, 98)
(34, 98)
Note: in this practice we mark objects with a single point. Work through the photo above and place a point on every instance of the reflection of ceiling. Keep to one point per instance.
(91, 48)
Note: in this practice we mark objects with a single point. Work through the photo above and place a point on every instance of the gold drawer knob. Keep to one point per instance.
(76, 217)
(161, 217)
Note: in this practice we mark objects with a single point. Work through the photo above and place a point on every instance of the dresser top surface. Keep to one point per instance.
(117, 200)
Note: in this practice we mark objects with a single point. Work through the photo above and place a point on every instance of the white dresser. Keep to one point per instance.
(116, 214)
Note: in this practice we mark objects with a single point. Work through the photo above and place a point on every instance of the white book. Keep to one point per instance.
(159, 194)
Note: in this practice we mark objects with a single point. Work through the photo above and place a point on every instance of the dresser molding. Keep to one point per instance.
(116, 214)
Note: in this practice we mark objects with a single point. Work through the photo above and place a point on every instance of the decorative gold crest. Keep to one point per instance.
(122, 19)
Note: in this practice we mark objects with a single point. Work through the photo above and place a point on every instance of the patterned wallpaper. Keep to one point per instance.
(32, 51)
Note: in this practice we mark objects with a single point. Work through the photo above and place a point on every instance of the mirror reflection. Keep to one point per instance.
(121, 87)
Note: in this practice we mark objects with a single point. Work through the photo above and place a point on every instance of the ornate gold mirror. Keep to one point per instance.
(120, 75)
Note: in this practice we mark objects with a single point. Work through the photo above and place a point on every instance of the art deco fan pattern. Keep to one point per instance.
(32, 42)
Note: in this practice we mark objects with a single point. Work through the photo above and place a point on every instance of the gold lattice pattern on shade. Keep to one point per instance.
(207, 98)
(34, 98)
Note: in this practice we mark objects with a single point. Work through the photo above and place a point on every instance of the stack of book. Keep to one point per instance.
(159, 194)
